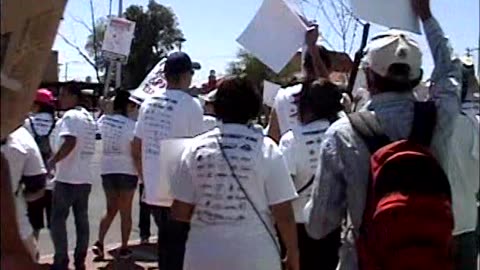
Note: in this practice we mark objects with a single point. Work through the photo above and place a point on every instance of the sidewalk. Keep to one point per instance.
(144, 257)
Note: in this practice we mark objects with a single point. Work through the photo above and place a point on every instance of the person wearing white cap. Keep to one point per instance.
(209, 119)
(463, 173)
(393, 68)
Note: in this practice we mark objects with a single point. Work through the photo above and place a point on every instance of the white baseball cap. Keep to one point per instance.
(393, 47)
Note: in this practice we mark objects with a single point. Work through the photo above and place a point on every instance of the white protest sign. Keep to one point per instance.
(274, 35)
(171, 151)
(393, 13)
(118, 39)
(270, 91)
(153, 83)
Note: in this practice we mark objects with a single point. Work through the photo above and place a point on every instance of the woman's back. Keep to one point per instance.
(117, 135)
(223, 215)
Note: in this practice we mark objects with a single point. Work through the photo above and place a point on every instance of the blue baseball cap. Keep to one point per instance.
(178, 63)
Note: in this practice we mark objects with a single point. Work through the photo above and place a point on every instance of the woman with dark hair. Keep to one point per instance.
(41, 124)
(232, 186)
(119, 176)
(319, 105)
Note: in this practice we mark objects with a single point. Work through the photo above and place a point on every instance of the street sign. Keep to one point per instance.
(118, 39)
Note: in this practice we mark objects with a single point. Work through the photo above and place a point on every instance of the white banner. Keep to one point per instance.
(153, 83)
(118, 38)
(274, 35)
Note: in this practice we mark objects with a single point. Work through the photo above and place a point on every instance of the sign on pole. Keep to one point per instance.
(118, 39)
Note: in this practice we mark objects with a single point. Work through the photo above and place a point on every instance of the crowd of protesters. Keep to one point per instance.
(390, 184)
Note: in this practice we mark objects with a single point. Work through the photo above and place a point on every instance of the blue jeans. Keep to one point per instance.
(66, 196)
(172, 237)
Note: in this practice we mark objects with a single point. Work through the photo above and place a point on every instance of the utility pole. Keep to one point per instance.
(469, 54)
(66, 71)
(118, 73)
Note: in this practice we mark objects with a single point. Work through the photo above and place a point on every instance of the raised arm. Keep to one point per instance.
(319, 68)
(446, 75)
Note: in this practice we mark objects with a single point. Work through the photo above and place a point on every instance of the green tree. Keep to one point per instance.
(156, 34)
(252, 67)
(94, 43)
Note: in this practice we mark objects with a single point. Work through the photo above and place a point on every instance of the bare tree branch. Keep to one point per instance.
(354, 35)
(330, 22)
(77, 20)
(95, 47)
(82, 54)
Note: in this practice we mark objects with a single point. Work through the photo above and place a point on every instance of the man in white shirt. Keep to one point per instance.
(76, 137)
(172, 113)
(461, 163)
(27, 173)
(316, 64)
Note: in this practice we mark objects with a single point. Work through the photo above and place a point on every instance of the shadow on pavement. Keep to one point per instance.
(145, 253)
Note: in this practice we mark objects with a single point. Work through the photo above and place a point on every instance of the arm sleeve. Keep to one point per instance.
(445, 77)
(196, 118)
(138, 132)
(327, 207)
(278, 183)
(286, 147)
(182, 186)
(69, 126)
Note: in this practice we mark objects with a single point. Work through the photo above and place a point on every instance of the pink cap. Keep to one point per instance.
(44, 96)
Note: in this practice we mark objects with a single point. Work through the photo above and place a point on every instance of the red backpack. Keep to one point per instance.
(408, 221)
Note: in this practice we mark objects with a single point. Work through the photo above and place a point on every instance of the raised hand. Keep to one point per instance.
(422, 9)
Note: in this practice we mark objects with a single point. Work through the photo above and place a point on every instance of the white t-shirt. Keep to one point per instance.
(24, 159)
(42, 122)
(223, 216)
(286, 109)
(167, 115)
(301, 147)
(76, 167)
(117, 135)
(463, 173)
(209, 122)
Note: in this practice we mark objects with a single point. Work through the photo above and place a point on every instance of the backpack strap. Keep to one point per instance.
(32, 126)
(424, 122)
(51, 127)
(369, 129)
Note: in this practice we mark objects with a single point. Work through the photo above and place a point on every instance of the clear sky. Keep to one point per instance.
(212, 26)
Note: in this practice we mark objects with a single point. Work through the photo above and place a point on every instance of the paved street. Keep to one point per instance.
(96, 209)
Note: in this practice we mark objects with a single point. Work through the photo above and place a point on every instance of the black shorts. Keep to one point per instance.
(318, 253)
(40, 210)
(119, 182)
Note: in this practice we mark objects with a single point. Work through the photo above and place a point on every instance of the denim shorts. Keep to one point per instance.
(119, 182)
